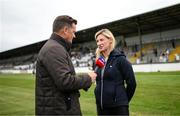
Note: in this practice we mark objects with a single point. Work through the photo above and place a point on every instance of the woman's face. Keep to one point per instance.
(103, 43)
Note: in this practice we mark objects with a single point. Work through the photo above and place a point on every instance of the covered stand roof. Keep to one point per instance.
(159, 20)
(150, 22)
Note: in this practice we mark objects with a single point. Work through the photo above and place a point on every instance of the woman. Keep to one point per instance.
(115, 82)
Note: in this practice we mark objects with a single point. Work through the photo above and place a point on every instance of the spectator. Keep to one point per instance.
(177, 57)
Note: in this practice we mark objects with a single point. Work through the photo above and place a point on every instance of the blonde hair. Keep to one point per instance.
(108, 34)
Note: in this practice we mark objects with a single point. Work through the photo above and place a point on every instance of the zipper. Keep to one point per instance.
(102, 74)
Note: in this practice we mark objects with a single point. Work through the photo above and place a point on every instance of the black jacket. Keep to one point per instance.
(57, 86)
(118, 83)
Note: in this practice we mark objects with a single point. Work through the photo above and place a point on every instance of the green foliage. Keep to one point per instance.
(156, 94)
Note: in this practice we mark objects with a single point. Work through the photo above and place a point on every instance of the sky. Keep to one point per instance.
(23, 22)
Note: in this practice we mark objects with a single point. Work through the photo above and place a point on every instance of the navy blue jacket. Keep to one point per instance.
(118, 83)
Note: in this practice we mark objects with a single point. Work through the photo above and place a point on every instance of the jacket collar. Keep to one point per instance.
(62, 41)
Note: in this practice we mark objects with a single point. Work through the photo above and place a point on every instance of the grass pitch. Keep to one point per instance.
(156, 94)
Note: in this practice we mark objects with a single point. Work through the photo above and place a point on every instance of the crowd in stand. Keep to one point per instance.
(85, 57)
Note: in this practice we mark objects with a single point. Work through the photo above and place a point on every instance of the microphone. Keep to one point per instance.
(100, 63)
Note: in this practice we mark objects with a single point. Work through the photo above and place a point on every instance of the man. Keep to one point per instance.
(57, 86)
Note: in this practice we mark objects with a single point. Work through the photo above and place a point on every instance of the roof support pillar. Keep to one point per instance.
(140, 38)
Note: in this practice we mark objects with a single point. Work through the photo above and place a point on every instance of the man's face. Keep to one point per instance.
(70, 33)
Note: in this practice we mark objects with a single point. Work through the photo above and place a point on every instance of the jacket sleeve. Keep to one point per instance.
(57, 64)
(128, 76)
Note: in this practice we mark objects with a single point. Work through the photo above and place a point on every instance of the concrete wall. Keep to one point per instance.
(16, 71)
(136, 68)
(156, 67)
(154, 37)
(144, 67)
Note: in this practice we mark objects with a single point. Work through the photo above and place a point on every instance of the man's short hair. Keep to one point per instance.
(62, 21)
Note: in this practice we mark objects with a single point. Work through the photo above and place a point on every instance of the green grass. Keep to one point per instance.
(16, 94)
(156, 94)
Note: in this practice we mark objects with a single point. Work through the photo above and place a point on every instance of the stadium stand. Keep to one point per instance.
(152, 37)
